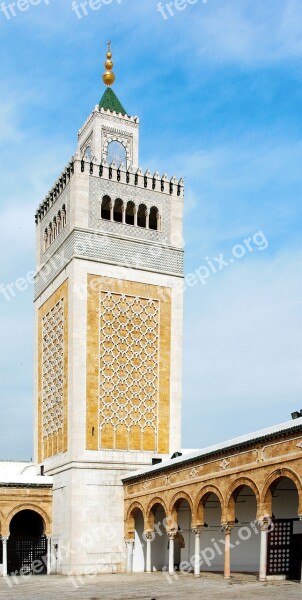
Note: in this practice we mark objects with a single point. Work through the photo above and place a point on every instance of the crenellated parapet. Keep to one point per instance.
(55, 192)
(145, 180)
(136, 177)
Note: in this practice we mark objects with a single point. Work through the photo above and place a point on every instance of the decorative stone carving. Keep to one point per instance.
(264, 524)
(224, 464)
(227, 528)
(129, 363)
(112, 134)
(85, 145)
(53, 370)
(100, 247)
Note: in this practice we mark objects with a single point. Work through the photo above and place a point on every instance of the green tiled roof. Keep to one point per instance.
(109, 101)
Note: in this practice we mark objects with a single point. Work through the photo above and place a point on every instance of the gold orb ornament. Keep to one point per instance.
(109, 77)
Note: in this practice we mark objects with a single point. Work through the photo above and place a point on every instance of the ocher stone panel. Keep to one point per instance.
(53, 374)
(128, 365)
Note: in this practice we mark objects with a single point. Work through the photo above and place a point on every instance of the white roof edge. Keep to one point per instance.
(17, 472)
(222, 446)
(38, 480)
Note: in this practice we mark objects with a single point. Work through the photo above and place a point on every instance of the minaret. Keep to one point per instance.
(108, 302)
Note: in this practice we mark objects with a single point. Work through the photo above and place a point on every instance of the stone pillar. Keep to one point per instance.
(147, 213)
(48, 556)
(197, 533)
(135, 211)
(158, 219)
(264, 526)
(227, 528)
(149, 539)
(171, 536)
(4, 551)
(111, 205)
(123, 213)
(130, 546)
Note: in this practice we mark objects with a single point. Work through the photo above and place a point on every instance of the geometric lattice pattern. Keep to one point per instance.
(129, 371)
(280, 548)
(53, 377)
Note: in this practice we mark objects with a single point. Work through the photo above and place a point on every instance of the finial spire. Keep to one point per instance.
(109, 77)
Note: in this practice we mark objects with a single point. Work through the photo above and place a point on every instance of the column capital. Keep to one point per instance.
(264, 524)
(227, 527)
(5, 538)
(197, 530)
(149, 535)
(171, 534)
(129, 541)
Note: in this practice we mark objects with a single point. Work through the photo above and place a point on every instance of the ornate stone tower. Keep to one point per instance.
(108, 303)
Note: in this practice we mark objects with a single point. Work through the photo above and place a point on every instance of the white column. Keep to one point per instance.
(147, 213)
(158, 219)
(135, 216)
(171, 536)
(48, 556)
(263, 549)
(4, 552)
(197, 552)
(111, 205)
(227, 528)
(123, 214)
(130, 545)
(149, 539)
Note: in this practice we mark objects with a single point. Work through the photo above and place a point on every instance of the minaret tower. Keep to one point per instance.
(108, 305)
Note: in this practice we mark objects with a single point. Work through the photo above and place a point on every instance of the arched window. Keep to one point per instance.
(154, 218)
(118, 211)
(105, 210)
(63, 216)
(45, 239)
(117, 152)
(54, 228)
(59, 222)
(88, 153)
(141, 216)
(50, 233)
(130, 213)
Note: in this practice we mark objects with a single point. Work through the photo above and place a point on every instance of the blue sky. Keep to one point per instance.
(218, 88)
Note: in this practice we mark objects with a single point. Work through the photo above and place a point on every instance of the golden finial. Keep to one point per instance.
(109, 77)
